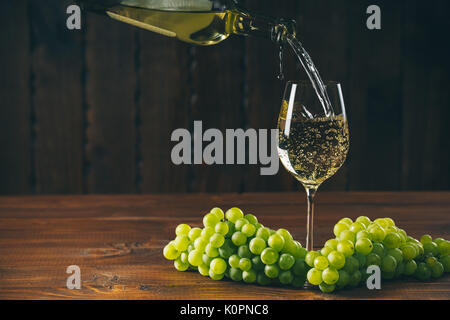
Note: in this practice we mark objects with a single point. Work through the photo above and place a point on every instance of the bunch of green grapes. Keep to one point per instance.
(343, 261)
(238, 247)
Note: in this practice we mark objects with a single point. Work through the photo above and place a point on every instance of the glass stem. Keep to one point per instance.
(310, 193)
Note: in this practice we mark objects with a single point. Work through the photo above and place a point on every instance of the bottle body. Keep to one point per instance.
(201, 22)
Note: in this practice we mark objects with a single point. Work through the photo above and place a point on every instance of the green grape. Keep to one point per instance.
(392, 240)
(355, 278)
(170, 253)
(218, 212)
(397, 254)
(286, 277)
(325, 251)
(373, 259)
(239, 238)
(244, 251)
(299, 281)
(346, 247)
(251, 218)
(285, 234)
(248, 229)
(217, 240)
(378, 248)
(376, 233)
(206, 259)
(263, 233)
(181, 242)
(445, 260)
(184, 257)
(207, 232)
(388, 275)
(389, 222)
(400, 269)
(257, 264)
(363, 234)
(302, 252)
(314, 276)
(249, 276)
(344, 279)
(388, 264)
(423, 272)
(299, 268)
(286, 261)
(351, 265)
(215, 276)
(195, 257)
(233, 261)
(245, 264)
(218, 266)
(347, 221)
(258, 226)
(222, 228)
(347, 235)
(272, 271)
(410, 268)
(425, 238)
(269, 256)
(276, 242)
(225, 251)
(443, 247)
(234, 214)
(236, 274)
(364, 246)
(332, 243)
(437, 270)
(431, 261)
(339, 228)
(200, 243)
(257, 245)
(356, 227)
(321, 263)
(310, 257)
(211, 251)
(361, 258)
(262, 279)
(336, 259)
(240, 223)
(438, 240)
(191, 247)
(210, 220)
(381, 222)
(203, 270)
(182, 229)
(402, 235)
(291, 247)
(327, 288)
(194, 233)
(364, 220)
(330, 276)
(409, 251)
(231, 229)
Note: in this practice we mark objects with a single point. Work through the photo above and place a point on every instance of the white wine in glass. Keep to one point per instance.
(313, 142)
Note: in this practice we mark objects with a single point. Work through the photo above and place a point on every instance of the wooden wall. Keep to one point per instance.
(92, 111)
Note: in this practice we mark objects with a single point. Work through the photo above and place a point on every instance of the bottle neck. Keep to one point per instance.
(246, 24)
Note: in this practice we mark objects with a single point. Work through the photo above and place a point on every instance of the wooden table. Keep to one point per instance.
(117, 242)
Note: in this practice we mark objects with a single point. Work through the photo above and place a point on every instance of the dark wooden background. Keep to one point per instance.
(92, 111)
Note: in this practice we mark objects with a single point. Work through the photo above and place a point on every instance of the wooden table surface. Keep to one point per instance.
(117, 242)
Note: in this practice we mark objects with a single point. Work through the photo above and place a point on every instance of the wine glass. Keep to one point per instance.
(313, 139)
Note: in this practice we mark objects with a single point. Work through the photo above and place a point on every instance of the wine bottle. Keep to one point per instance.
(201, 22)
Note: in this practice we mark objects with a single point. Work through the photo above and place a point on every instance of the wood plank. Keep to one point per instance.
(15, 113)
(57, 100)
(426, 69)
(111, 105)
(117, 242)
(164, 106)
(375, 99)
